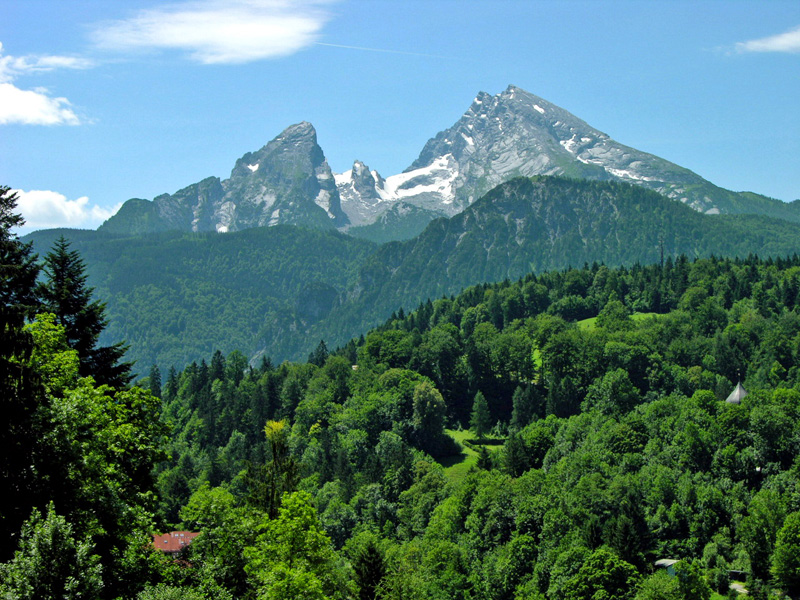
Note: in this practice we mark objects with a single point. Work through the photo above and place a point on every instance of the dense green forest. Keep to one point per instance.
(178, 297)
(550, 437)
(605, 441)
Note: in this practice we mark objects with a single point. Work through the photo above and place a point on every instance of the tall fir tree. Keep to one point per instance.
(65, 294)
(20, 391)
(171, 388)
(480, 421)
(319, 355)
(155, 381)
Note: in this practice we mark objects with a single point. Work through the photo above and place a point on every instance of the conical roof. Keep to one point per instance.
(737, 394)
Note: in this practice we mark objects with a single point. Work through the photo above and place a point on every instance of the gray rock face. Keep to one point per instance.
(517, 133)
(286, 181)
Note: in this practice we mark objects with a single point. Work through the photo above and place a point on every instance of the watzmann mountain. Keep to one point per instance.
(511, 134)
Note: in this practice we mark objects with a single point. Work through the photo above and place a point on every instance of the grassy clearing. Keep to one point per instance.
(456, 467)
(591, 322)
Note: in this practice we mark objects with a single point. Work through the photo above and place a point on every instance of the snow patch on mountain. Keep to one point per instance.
(436, 178)
(323, 200)
(569, 145)
(365, 195)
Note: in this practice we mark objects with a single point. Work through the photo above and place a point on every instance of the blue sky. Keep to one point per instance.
(103, 101)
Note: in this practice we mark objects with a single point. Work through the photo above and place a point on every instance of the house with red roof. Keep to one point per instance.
(174, 542)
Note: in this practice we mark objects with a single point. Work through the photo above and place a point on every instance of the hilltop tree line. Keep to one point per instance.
(596, 402)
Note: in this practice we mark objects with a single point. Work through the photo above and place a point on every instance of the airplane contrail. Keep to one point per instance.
(381, 50)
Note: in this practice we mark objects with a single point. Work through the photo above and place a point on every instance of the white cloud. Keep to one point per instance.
(217, 31)
(783, 42)
(44, 209)
(34, 106)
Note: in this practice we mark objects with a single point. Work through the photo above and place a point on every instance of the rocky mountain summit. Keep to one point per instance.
(516, 133)
(498, 138)
(288, 181)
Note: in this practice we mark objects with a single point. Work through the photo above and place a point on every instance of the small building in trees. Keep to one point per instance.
(668, 564)
(737, 395)
(174, 542)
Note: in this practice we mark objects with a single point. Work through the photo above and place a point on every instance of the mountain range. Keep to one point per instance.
(511, 134)
(284, 252)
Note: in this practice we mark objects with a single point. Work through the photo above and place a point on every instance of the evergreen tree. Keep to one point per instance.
(370, 568)
(484, 460)
(20, 391)
(155, 381)
(480, 421)
(522, 408)
(266, 364)
(171, 389)
(319, 355)
(217, 370)
(65, 294)
(18, 268)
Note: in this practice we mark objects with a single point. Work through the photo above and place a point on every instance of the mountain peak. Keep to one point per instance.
(299, 132)
(286, 181)
(301, 127)
(516, 133)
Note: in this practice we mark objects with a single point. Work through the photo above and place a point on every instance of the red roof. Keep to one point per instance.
(175, 541)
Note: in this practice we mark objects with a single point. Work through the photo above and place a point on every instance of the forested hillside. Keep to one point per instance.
(277, 291)
(539, 224)
(600, 442)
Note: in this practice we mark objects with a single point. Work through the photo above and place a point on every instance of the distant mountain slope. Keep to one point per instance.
(399, 222)
(541, 224)
(177, 297)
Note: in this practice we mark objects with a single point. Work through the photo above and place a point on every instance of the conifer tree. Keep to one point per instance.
(370, 568)
(217, 370)
(155, 381)
(65, 294)
(171, 389)
(20, 391)
(319, 355)
(480, 421)
(522, 411)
